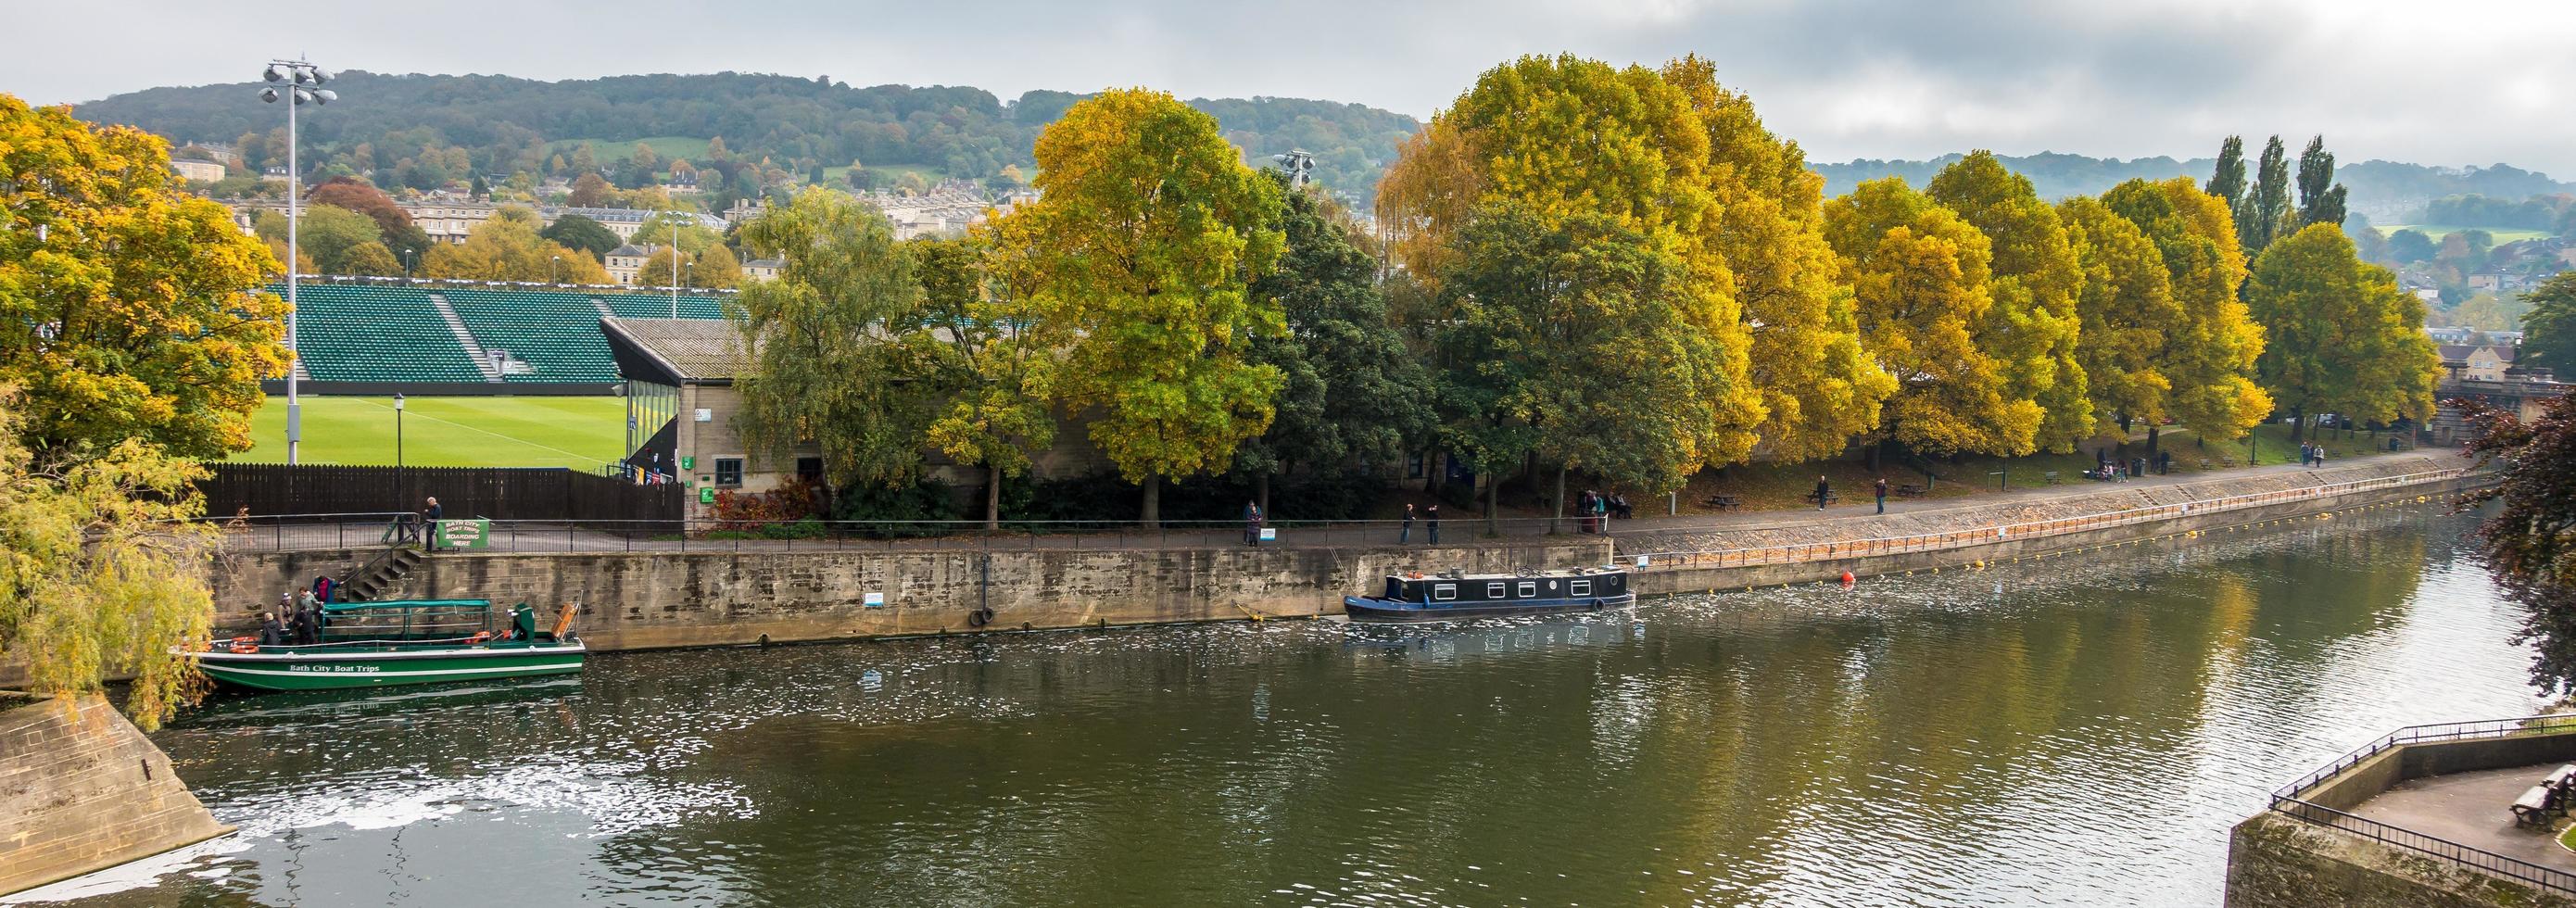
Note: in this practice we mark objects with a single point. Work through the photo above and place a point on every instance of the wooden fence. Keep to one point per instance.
(500, 493)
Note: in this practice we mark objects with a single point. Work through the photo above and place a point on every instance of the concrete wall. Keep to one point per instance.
(2275, 861)
(82, 790)
(665, 599)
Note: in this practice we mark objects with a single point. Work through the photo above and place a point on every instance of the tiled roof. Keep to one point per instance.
(694, 348)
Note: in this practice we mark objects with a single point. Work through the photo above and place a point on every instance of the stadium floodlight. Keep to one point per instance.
(321, 75)
(299, 73)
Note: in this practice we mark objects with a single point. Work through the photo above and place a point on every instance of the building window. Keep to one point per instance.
(728, 472)
(809, 469)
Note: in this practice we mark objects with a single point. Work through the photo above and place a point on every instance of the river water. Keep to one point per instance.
(2077, 730)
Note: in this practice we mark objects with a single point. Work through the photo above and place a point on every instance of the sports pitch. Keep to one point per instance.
(577, 432)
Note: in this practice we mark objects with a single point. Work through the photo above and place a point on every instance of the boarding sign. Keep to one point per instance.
(464, 534)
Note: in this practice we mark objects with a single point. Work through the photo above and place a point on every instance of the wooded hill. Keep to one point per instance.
(506, 124)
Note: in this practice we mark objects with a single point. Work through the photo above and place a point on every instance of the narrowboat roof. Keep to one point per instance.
(406, 603)
(1578, 572)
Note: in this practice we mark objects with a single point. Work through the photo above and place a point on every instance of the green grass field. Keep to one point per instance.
(928, 174)
(2436, 232)
(606, 150)
(576, 432)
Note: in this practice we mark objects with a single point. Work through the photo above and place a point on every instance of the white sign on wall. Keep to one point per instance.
(706, 415)
(873, 600)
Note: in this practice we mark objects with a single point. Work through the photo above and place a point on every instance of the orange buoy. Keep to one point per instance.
(1847, 578)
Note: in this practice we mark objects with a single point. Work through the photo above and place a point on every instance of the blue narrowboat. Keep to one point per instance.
(1454, 596)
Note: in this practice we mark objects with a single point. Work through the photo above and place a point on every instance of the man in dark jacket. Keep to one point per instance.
(1824, 490)
(429, 523)
(270, 632)
(1880, 489)
(1431, 522)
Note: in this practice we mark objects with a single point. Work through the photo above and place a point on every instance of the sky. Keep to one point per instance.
(2466, 82)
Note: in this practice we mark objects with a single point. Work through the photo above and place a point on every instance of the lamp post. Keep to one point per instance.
(675, 267)
(408, 255)
(558, 269)
(303, 83)
(398, 427)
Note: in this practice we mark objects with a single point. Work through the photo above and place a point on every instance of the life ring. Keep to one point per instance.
(479, 636)
(979, 617)
(245, 648)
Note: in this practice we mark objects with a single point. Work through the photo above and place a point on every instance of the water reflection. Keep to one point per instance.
(2076, 729)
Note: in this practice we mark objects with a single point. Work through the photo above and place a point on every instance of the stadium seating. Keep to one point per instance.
(358, 332)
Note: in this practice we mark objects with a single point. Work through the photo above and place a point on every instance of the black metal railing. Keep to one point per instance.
(2290, 800)
(311, 532)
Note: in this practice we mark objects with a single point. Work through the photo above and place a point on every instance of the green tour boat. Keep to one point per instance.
(412, 641)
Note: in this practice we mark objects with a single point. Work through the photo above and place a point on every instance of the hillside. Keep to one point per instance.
(2384, 191)
(502, 124)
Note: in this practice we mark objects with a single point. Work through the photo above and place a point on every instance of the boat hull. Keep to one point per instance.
(286, 669)
(1369, 608)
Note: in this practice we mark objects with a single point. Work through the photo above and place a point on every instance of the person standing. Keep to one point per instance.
(270, 632)
(429, 516)
(1824, 490)
(1252, 524)
(1405, 536)
(1431, 522)
(1879, 490)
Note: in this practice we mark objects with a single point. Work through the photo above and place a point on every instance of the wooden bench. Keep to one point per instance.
(1911, 490)
(1724, 502)
(1830, 496)
(2532, 809)
(2562, 783)
(2051, 476)
(2204, 464)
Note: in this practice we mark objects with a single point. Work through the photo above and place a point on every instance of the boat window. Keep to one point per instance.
(1494, 590)
(1445, 591)
(1528, 588)
(1580, 588)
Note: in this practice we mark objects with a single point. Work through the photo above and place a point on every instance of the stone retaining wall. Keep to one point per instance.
(82, 790)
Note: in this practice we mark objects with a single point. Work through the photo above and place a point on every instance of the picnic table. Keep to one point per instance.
(1912, 490)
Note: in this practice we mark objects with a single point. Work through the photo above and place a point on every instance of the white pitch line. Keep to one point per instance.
(489, 432)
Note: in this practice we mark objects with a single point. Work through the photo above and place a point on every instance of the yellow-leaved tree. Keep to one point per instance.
(2209, 353)
(1922, 277)
(506, 247)
(1819, 386)
(2033, 328)
(128, 309)
(2341, 337)
(2126, 307)
(1143, 244)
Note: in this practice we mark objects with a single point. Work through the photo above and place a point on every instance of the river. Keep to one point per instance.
(2077, 730)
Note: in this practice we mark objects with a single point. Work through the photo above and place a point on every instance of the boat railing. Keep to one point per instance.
(1827, 550)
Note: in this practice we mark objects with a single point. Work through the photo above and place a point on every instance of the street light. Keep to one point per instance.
(304, 82)
(558, 269)
(408, 254)
(398, 446)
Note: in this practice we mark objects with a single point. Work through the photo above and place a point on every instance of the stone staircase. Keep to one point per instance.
(473, 348)
(378, 574)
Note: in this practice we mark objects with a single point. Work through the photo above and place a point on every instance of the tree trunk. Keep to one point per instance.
(1560, 500)
(2298, 423)
(992, 497)
(1493, 503)
(1874, 455)
(2124, 424)
(1261, 492)
(2151, 439)
(1153, 516)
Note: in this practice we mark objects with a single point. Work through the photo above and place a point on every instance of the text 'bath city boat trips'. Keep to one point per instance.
(417, 641)
(1454, 596)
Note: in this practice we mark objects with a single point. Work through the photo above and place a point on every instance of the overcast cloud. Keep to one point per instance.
(2452, 83)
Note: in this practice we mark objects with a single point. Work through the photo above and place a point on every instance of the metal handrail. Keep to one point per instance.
(2289, 801)
(1956, 539)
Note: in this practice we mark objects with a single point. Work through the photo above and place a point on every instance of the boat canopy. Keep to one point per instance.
(407, 604)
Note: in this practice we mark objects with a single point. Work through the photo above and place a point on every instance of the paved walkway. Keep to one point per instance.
(1640, 533)
(2473, 809)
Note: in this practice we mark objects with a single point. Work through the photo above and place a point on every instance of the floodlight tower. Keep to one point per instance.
(303, 82)
(1299, 164)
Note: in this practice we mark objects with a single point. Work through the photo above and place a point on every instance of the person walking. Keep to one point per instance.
(1405, 536)
(1879, 490)
(1824, 490)
(1431, 522)
(1252, 524)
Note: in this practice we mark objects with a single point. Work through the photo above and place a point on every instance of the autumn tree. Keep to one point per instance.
(103, 573)
(2126, 305)
(1145, 241)
(826, 369)
(2209, 352)
(590, 190)
(1352, 391)
(2227, 182)
(1819, 386)
(2529, 550)
(1572, 340)
(2320, 197)
(980, 290)
(714, 268)
(2265, 213)
(326, 232)
(392, 222)
(128, 309)
(2341, 337)
(371, 258)
(1922, 277)
(506, 247)
(2032, 328)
